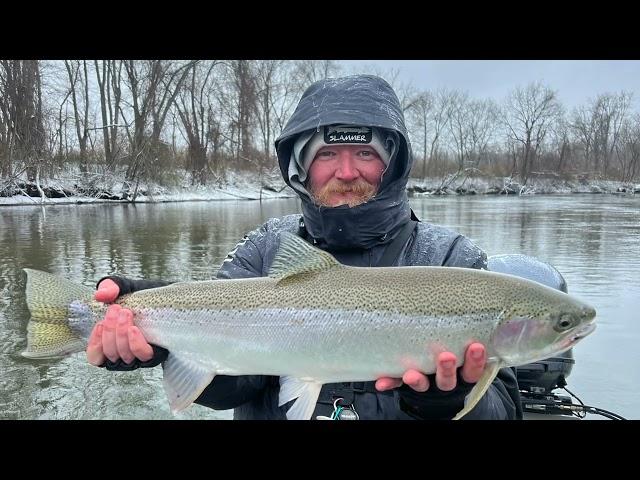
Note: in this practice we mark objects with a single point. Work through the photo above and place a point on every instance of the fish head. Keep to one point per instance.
(542, 326)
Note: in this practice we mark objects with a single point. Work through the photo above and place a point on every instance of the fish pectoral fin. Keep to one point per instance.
(184, 380)
(306, 393)
(480, 388)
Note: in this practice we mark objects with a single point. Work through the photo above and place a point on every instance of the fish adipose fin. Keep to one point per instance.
(305, 391)
(476, 393)
(295, 256)
(184, 381)
(49, 298)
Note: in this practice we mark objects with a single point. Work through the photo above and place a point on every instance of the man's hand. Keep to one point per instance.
(115, 337)
(446, 376)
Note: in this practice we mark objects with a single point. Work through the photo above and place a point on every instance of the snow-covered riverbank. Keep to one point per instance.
(109, 190)
(507, 186)
(249, 187)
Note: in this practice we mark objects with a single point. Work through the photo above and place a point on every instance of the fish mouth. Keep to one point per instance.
(578, 335)
(582, 332)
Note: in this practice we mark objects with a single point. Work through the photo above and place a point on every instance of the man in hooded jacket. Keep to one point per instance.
(363, 113)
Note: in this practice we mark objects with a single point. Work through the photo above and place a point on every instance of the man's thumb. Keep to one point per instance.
(107, 292)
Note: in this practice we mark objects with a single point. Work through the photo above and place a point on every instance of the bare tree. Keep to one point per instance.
(440, 120)
(109, 77)
(276, 98)
(419, 115)
(628, 149)
(561, 142)
(482, 117)
(245, 86)
(236, 96)
(196, 116)
(22, 120)
(529, 112)
(79, 88)
(406, 92)
(290, 89)
(608, 114)
(153, 86)
(310, 71)
(459, 123)
(61, 131)
(583, 130)
(267, 91)
(6, 130)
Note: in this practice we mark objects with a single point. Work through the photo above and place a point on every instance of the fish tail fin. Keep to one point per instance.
(55, 303)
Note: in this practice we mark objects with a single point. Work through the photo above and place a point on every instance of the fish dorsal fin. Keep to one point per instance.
(296, 256)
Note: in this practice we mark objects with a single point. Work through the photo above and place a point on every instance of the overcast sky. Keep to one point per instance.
(574, 80)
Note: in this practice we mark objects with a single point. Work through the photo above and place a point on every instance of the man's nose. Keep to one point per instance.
(347, 169)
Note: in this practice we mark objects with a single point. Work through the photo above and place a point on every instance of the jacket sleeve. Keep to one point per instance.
(244, 261)
(502, 399)
(128, 285)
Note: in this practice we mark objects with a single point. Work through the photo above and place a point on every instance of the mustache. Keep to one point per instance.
(361, 190)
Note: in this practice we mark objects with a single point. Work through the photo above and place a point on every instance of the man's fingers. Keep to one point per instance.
(474, 362)
(125, 320)
(416, 380)
(94, 346)
(109, 347)
(387, 383)
(107, 292)
(446, 379)
(139, 346)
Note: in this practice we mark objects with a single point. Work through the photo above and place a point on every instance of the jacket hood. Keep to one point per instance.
(359, 100)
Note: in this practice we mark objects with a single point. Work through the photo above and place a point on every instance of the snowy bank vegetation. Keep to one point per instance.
(162, 130)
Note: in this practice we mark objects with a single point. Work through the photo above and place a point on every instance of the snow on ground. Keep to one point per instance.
(493, 185)
(236, 187)
(246, 186)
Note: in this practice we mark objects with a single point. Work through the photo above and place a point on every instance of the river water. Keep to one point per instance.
(594, 240)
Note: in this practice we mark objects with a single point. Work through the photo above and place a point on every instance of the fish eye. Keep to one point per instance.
(564, 322)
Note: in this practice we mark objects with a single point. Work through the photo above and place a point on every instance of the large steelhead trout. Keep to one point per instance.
(314, 321)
